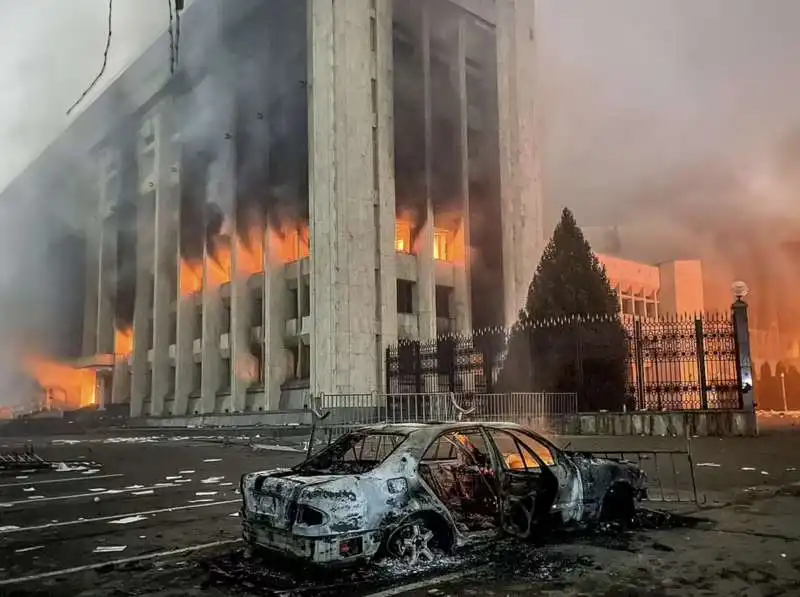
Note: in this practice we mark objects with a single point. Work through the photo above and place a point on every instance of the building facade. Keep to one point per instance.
(315, 180)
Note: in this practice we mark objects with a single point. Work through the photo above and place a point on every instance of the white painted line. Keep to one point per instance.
(116, 516)
(149, 556)
(418, 585)
(93, 478)
(75, 496)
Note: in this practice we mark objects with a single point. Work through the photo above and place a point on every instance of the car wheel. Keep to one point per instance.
(414, 542)
(619, 504)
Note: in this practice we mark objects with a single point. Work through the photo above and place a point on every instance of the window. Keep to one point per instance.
(353, 453)
(521, 452)
(225, 376)
(440, 245)
(198, 322)
(173, 327)
(305, 361)
(402, 237)
(226, 317)
(257, 316)
(171, 381)
(292, 307)
(444, 295)
(405, 296)
(197, 377)
(469, 447)
(305, 310)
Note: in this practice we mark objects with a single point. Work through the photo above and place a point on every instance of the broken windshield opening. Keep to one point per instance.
(353, 453)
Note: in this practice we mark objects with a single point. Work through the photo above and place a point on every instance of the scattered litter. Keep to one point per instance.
(27, 549)
(28, 489)
(201, 501)
(748, 468)
(113, 491)
(235, 515)
(213, 460)
(63, 467)
(68, 442)
(186, 472)
(146, 492)
(128, 519)
(783, 555)
(96, 500)
(91, 471)
(791, 468)
(97, 489)
(20, 477)
(142, 536)
(202, 493)
(714, 464)
(6, 505)
(211, 480)
(164, 485)
(183, 480)
(135, 487)
(172, 478)
(225, 484)
(7, 528)
(109, 548)
(764, 473)
(35, 497)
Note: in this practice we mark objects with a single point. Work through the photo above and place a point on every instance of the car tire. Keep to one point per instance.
(619, 504)
(416, 540)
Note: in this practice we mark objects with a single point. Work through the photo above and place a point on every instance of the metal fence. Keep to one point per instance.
(679, 363)
(337, 413)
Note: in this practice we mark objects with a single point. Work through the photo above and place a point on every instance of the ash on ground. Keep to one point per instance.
(247, 572)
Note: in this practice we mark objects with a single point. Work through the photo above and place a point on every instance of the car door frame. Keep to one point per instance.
(535, 479)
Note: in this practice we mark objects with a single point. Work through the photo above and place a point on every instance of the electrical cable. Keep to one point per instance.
(102, 68)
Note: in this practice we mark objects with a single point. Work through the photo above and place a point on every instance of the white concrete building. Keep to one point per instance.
(316, 179)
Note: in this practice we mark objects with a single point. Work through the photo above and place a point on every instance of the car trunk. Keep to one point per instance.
(272, 498)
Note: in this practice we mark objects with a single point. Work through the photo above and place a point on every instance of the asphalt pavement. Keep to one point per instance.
(133, 515)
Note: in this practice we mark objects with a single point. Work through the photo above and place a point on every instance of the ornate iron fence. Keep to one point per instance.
(678, 363)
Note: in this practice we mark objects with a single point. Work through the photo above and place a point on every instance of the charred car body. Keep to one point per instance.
(406, 490)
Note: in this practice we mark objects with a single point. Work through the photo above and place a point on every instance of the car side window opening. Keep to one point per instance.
(516, 455)
(544, 453)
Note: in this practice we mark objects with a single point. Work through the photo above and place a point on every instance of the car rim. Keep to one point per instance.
(413, 544)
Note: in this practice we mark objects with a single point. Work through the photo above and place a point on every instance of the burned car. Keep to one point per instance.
(408, 490)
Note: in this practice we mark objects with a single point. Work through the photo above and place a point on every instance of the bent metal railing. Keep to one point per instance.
(334, 414)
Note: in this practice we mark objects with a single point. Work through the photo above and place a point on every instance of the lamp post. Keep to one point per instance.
(741, 335)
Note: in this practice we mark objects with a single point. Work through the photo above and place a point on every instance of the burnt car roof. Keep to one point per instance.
(436, 427)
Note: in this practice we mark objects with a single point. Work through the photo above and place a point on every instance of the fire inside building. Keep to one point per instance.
(315, 180)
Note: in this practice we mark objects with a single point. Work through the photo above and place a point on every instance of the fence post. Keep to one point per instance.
(744, 364)
(699, 339)
(638, 355)
(417, 367)
(579, 382)
(387, 365)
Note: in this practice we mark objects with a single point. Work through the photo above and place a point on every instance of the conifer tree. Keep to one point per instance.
(569, 337)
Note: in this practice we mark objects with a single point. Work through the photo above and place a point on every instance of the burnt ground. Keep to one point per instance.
(745, 541)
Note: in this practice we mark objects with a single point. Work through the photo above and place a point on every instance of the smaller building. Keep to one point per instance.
(653, 291)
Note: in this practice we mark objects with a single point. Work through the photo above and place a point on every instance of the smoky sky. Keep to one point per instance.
(677, 121)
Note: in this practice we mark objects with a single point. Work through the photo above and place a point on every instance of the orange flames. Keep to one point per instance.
(218, 265)
(292, 242)
(123, 341)
(447, 245)
(191, 277)
(67, 387)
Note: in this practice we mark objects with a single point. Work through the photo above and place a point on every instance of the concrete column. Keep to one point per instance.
(426, 268)
(349, 98)
(91, 296)
(184, 355)
(120, 390)
(461, 292)
(383, 140)
(273, 319)
(241, 357)
(142, 305)
(520, 188)
(164, 258)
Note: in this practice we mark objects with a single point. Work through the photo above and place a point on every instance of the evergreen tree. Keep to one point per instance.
(569, 337)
